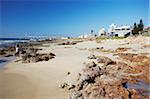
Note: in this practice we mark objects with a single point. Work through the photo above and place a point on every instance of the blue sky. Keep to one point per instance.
(67, 17)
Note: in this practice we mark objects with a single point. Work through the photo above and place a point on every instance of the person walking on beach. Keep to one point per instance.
(17, 50)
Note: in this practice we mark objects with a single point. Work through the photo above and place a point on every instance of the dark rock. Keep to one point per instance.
(90, 65)
(100, 48)
(52, 54)
(34, 59)
(71, 87)
(9, 55)
(63, 85)
(68, 73)
(2, 52)
(92, 57)
(67, 86)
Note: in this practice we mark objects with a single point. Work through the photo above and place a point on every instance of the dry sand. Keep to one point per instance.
(41, 80)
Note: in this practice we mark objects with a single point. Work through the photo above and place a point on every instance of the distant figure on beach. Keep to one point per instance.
(17, 50)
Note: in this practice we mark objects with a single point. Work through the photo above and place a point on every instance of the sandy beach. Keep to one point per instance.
(41, 80)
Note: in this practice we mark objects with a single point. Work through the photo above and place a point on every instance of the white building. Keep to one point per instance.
(64, 38)
(86, 36)
(101, 32)
(119, 31)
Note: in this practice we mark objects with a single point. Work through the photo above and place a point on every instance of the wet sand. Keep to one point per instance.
(5, 60)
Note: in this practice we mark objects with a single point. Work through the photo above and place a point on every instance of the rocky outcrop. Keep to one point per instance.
(109, 81)
(31, 56)
(105, 60)
(88, 75)
(139, 64)
(7, 52)
(67, 43)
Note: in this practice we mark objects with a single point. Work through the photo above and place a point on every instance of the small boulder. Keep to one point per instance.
(92, 57)
(63, 85)
(67, 86)
(68, 73)
(52, 54)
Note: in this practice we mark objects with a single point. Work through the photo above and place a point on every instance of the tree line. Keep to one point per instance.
(138, 28)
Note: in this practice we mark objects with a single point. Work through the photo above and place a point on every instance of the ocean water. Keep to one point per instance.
(11, 41)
